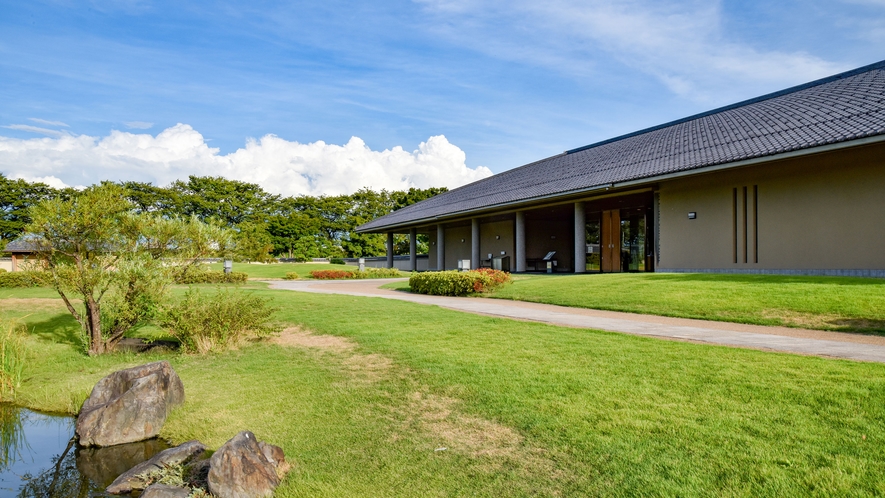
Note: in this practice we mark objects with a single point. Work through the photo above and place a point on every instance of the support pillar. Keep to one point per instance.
(413, 249)
(440, 247)
(580, 238)
(390, 249)
(520, 242)
(474, 243)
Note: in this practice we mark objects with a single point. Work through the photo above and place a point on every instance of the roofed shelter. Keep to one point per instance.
(791, 182)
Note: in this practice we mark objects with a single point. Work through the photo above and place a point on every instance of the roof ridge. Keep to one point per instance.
(743, 103)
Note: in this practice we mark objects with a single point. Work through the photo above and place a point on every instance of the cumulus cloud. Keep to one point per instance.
(279, 166)
(139, 125)
(47, 122)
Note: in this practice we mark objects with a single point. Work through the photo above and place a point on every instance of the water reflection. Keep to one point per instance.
(39, 458)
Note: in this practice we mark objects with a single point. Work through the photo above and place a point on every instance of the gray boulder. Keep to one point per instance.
(135, 478)
(165, 491)
(241, 469)
(129, 405)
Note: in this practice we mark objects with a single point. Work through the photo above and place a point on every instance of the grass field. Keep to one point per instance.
(371, 397)
(824, 303)
(827, 303)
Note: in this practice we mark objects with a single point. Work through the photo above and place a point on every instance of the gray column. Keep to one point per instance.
(390, 249)
(580, 238)
(520, 241)
(413, 249)
(440, 247)
(474, 243)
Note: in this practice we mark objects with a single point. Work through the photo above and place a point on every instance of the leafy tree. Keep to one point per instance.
(253, 243)
(16, 196)
(146, 198)
(118, 263)
(402, 199)
(229, 201)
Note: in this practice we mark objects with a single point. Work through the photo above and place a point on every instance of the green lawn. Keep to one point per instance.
(520, 408)
(827, 303)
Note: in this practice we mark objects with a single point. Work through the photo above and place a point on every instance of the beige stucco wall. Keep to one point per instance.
(6, 264)
(495, 238)
(455, 249)
(819, 212)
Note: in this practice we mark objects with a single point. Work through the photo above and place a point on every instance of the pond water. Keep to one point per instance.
(39, 459)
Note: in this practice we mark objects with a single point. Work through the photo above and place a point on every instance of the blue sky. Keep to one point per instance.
(505, 83)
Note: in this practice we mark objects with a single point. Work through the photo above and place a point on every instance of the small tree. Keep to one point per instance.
(118, 263)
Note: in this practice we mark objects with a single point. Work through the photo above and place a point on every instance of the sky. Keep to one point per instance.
(327, 97)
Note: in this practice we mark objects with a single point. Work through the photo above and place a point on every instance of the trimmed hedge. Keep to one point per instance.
(336, 261)
(377, 273)
(457, 283)
(25, 279)
(291, 276)
(355, 274)
(331, 274)
(211, 277)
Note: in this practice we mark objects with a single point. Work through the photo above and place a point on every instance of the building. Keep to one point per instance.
(791, 182)
(22, 251)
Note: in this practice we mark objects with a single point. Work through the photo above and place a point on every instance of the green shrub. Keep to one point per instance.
(12, 358)
(336, 261)
(291, 276)
(30, 278)
(457, 283)
(377, 273)
(2, 270)
(217, 321)
(200, 275)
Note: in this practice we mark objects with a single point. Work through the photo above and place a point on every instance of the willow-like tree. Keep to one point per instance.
(117, 263)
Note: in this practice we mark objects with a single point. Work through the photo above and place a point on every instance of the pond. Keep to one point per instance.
(38, 457)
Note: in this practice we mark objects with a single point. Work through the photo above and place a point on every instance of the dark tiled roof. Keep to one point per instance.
(22, 244)
(840, 108)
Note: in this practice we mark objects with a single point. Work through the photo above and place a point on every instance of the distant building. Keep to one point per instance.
(792, 182)
(22, 250)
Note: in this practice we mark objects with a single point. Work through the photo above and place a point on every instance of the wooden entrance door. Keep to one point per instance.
(610, 243)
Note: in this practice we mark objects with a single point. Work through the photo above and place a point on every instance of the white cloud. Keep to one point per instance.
(36, 129)
(683, 43)
(139, 125)
(48, 123)
(279, 166)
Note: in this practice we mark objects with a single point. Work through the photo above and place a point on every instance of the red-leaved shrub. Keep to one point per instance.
(331, 274)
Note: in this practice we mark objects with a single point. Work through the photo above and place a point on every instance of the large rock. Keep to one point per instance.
(241, 469)
(136, 477)
(165, 491)
(129, 405)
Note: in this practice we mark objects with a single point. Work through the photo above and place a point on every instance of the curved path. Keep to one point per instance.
(791, 340)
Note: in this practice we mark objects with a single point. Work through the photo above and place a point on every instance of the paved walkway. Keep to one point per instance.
(801, 341)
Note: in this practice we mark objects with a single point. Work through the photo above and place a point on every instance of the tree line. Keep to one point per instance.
(265, 225)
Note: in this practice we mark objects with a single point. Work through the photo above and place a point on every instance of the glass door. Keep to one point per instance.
(594, 256)
(633, 240)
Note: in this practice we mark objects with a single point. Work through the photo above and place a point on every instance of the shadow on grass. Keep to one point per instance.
(61, 328)
(859, 325)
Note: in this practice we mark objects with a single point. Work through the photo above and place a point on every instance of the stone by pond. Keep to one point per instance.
(107, 450)
(36, 459)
